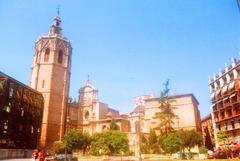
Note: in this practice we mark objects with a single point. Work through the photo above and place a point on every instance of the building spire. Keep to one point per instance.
(58, 11)
(88, 82)
(55, 28)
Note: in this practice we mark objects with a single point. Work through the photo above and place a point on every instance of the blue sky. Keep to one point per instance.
(128, 47)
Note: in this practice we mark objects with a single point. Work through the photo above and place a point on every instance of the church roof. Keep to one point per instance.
(207, 117)
(109, 114)
(175, 96)
(138, 109)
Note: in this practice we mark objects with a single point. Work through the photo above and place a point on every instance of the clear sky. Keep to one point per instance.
(128, 47)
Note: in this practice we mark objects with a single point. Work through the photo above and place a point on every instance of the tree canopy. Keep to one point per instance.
(180, 140)
(222, 136)
(72, 139)
(109, 143)
(171, 143)
(189, 139)
(153, 141)
(86, 142)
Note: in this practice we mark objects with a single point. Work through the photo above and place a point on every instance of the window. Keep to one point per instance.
(22, 112)
(226, 126)
(46, 55)
(222, 115)
(43, 82)
(233, 125)
(219, 127)
(7, 108)
(32, 129)
(5, 126)
(86, 116)
(224, 80)
(60, 56)
(229, 112)
(36, 57)
(10, 92)
(231, 76)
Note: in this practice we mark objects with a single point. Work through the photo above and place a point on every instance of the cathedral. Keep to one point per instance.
(91, 115)
(50, 75)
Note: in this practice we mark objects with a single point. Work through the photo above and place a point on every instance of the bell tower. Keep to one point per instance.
(50, 75)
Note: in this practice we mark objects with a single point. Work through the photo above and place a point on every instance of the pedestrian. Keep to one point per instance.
(42, 155)
(34, 155)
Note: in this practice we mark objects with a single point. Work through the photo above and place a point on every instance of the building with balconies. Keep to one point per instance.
(225, 99)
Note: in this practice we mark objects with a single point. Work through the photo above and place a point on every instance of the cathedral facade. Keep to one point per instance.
(95, 116)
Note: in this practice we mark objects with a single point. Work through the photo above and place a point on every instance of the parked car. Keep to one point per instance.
(235, 148)
(49, 158)
(61, 157)
(223, 155)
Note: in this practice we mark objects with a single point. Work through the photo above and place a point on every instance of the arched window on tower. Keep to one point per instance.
(86, 115)
(60, 56)
(46, 55)
(36, 57)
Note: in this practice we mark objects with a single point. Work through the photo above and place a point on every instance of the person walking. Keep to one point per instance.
(34, 155)
(42, 155)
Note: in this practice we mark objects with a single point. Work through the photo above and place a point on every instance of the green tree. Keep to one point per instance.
(153, 142)
(222, 138)
(203, 150)
(72, 140)
(113, 125)
(166, 114)
(109, 143)
(86, 142)
(144, 144)
(57, 147)
(189, 139)
(171, 143)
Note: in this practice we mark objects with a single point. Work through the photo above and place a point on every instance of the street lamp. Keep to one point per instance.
(68, 104)
(122, 153)
(139, 135)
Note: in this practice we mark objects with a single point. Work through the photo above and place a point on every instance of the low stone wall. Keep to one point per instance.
(15, 153)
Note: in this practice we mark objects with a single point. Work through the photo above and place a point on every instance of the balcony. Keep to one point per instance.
(227, 104)
(227, 118)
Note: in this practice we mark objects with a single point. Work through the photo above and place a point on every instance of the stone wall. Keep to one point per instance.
(15, 153)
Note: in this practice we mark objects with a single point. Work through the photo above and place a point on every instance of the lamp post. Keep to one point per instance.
(68, 104)
(139, 135)
(100, 152)
(122, 152)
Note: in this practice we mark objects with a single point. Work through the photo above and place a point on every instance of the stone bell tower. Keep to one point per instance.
(50, 75)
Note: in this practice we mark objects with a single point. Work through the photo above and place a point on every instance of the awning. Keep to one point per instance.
(225, 99)
(213, 105)
(212, 95)
(218, 91)
(219, 101)
(234, 94)
(231, 85)
(224, 89)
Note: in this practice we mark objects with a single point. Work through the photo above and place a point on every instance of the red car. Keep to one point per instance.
(235, 148)
(223, 155)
